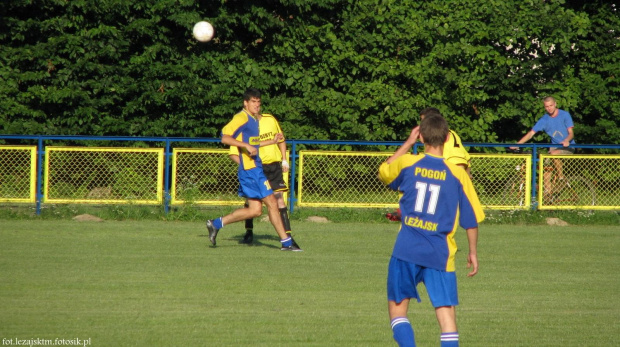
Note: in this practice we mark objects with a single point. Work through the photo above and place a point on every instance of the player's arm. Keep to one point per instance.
(282, 146)
(407, 145)
(525, 138)
(277, 138)
(231, 141)
(472, 257)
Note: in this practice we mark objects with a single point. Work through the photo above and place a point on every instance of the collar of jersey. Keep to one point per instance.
(249, 114)
(433, 156)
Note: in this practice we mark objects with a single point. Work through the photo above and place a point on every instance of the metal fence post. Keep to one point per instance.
(167, 177)
(534, 177)
(291, 195)
(40, 154)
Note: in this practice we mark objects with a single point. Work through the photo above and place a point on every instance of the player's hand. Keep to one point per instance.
(513, 148)
(285, 166)
(278, 138)
(251, 150)
(413, 136)
(565, 143)
(472, 263)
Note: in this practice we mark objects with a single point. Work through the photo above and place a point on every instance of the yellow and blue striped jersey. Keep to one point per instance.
(437, 197)
(268, 128)
(244, 127)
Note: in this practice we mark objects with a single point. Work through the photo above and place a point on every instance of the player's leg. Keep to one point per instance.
(401, 327)
(441, 288)
(273, 172)
(283, 211)
(253, 210)
(284, 216)
(402, 280)
(249, 228)
(446, 316)
(276, 221)
(254, 187)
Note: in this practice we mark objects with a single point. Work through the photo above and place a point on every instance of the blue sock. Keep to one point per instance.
(218, 224)
(403, 332)
(287, 242)
(450, 339)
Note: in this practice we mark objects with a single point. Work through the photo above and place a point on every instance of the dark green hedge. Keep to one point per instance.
(330, 69)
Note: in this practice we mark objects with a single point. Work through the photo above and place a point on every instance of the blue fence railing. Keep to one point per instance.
(295, 145)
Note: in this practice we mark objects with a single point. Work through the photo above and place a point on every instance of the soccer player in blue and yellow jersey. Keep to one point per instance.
(453, 151)
(437, 197)
(275, 165)
(243, 132)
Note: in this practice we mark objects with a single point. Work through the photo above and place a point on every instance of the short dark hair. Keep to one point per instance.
(434, 130)
(251, 93)
(429, 111)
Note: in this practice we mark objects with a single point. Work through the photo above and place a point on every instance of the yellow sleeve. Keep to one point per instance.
(235, 123)
(389, 172)
(453, 150)
(468, 189)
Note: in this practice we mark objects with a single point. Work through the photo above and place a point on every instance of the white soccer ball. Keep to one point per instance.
(203, 31)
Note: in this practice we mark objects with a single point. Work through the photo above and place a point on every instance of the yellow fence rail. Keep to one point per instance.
(101, 175)
(18, 174)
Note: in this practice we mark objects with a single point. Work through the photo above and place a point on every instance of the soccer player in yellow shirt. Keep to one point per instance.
(274, 161)
(243, 132)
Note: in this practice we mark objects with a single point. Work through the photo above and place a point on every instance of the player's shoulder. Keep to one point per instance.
(454, 133)
(241, 115)
(269, 117)
(410, 159)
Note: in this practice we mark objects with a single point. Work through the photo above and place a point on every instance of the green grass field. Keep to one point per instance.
(150, 283)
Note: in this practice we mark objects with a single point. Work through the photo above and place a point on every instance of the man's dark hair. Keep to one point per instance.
(434, 130)
(251, 93)
(430, 111)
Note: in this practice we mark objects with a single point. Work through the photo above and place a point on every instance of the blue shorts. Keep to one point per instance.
(403, 278)
(253, 184)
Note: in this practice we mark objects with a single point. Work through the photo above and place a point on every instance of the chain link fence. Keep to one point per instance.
(578, 182)
(319, 178)
(342, 179)
(103, 175)
(204, 176)
(18, 173)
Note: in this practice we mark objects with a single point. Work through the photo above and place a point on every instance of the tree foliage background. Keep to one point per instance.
(330, 69)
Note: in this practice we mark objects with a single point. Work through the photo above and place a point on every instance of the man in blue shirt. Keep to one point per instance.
(437, 197)
(558, 124)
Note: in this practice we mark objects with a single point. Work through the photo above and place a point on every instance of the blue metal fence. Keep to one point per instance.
(42, 140)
